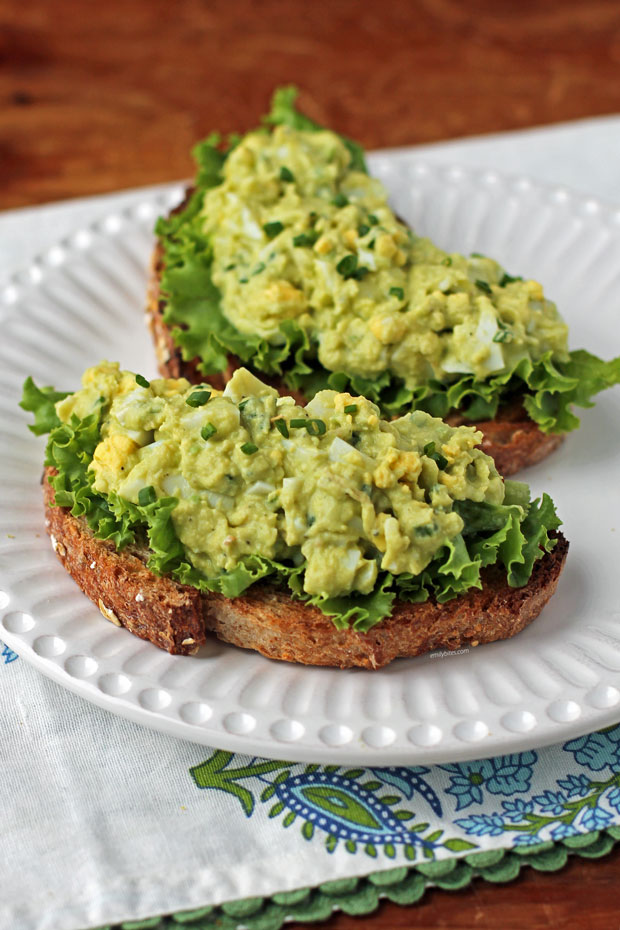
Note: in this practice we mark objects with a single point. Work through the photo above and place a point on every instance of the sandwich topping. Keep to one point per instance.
(254, 473)
(288, 256)
(299, 234)
(228, 488)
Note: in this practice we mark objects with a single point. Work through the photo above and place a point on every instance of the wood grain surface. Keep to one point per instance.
(100, 96)
(104, 94)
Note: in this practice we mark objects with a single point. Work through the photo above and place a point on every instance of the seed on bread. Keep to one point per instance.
(109, 614)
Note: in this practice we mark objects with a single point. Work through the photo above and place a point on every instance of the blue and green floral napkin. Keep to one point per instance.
(105, 821)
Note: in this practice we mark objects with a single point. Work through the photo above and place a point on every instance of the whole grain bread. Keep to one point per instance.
(512, 438)
(178, 618)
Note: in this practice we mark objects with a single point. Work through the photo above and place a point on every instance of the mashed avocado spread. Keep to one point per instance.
(298, 233)
(346, 510)
(252, 472)
(288, 256)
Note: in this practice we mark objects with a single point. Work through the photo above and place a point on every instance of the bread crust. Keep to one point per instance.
(512, 438)
(126, 592)
(177, 617)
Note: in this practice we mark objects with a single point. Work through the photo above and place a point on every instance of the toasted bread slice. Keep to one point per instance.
(512, 438)
(177, 617)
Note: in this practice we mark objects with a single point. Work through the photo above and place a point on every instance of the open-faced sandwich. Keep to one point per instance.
(286, 257)
(320, 534)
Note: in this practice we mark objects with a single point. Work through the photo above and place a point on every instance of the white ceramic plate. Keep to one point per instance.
(82, 301)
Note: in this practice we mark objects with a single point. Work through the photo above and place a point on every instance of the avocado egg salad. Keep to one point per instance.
(288, 256)
(345, 510)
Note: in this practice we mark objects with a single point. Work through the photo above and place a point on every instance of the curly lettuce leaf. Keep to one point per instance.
(456, 573)
(358, 611)
(284, 113)
(514, 534)
(232, 584)
(42, 402)
(548, 389)
(539, 521)
(210, 155)
(566, 383)
(70, 451)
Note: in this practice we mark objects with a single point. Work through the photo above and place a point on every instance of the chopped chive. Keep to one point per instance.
(230, 267)
(260, 267)
(348, 268)
(362, 230)
(286, 174)
(476, 255)
(147, 496)
(447, 261)
(504, 335)
(484, 286)
(207, 431)
(198, 398)
(397, 292)
(315, 427)
(243, 403)
(280, 425)
(306, 238)
(272, 229)
(340, 200)
(141, 380)
(373, 220)
(350, 408)
(440, 460)
(509, 279)
(347, 265)
(249, 448)
(427, 530)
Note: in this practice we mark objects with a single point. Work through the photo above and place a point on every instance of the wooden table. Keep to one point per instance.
(99, 96)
